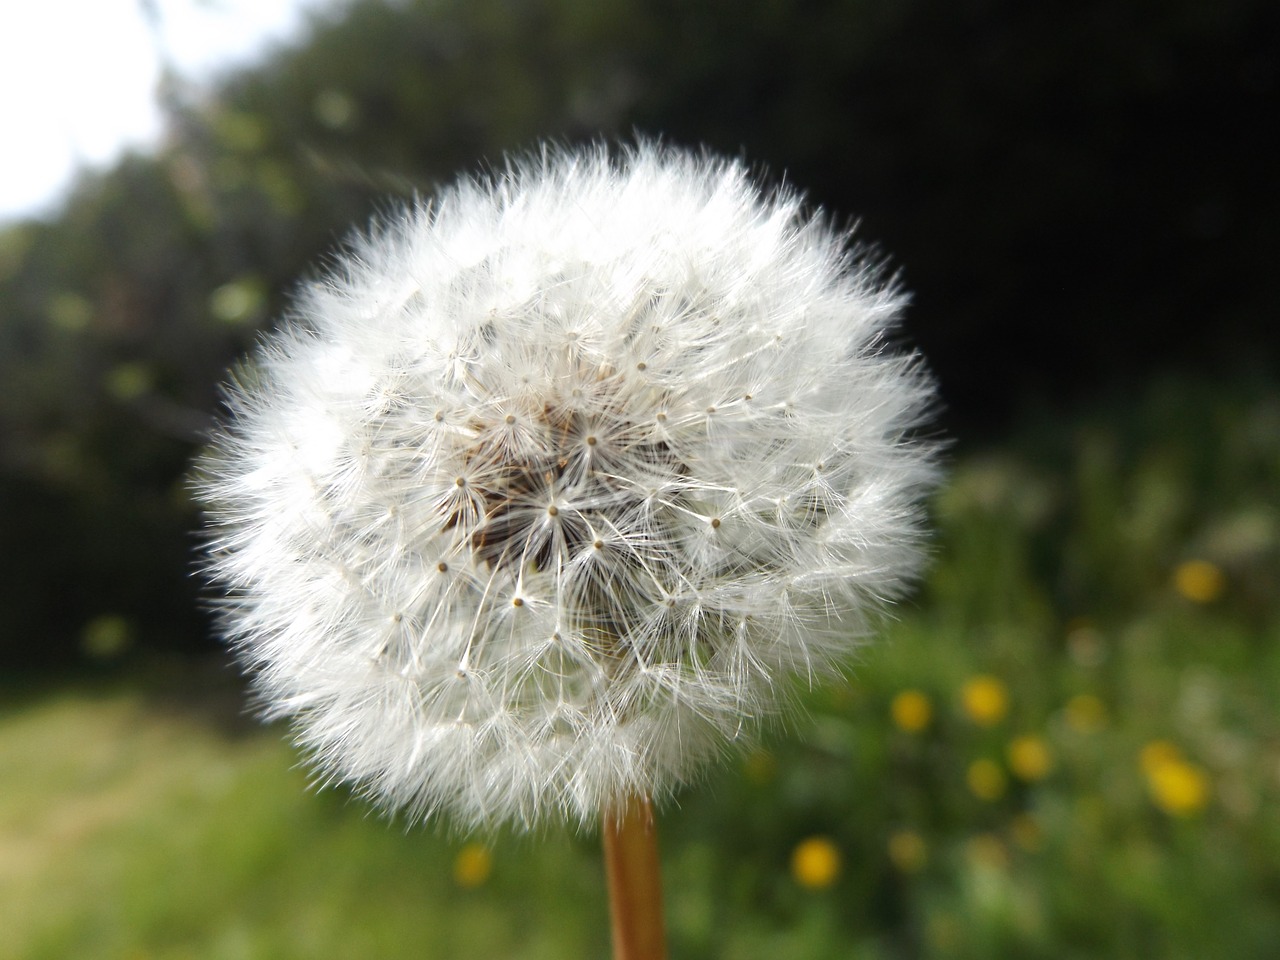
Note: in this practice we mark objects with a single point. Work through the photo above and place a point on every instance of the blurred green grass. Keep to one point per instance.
(130, 831)
(1067, 746)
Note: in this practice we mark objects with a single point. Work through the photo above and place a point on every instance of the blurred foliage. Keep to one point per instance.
(1078, 193)
(1068, 748)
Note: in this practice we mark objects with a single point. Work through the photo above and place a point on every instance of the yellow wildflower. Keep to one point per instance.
(472, 866)
(986, 779)
(1199, 581)
(815, 863)
(985, 700)
(911, 711)
(1030, 758)
(1177, 787)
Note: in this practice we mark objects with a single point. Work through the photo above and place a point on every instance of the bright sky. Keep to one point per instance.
(78, 77)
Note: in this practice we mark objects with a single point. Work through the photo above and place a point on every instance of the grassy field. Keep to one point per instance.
(1067, 747)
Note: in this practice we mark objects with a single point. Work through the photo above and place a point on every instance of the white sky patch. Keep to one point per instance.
(78, 78)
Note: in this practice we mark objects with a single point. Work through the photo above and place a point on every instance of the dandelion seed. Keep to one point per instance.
(514, 417)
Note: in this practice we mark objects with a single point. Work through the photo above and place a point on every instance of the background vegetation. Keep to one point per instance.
(1069, 745)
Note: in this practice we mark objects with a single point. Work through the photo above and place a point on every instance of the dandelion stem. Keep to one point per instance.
(635, 885)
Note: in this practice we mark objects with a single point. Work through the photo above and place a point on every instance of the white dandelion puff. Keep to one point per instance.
(542, 495)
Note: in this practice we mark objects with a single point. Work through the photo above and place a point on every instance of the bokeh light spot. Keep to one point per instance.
(911, 711)
(815, 863)
(1030, 758)
(985, 700)
(1199, 581)
(472, 866)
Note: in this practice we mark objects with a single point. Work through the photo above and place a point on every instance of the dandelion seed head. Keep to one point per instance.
(534, 501)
